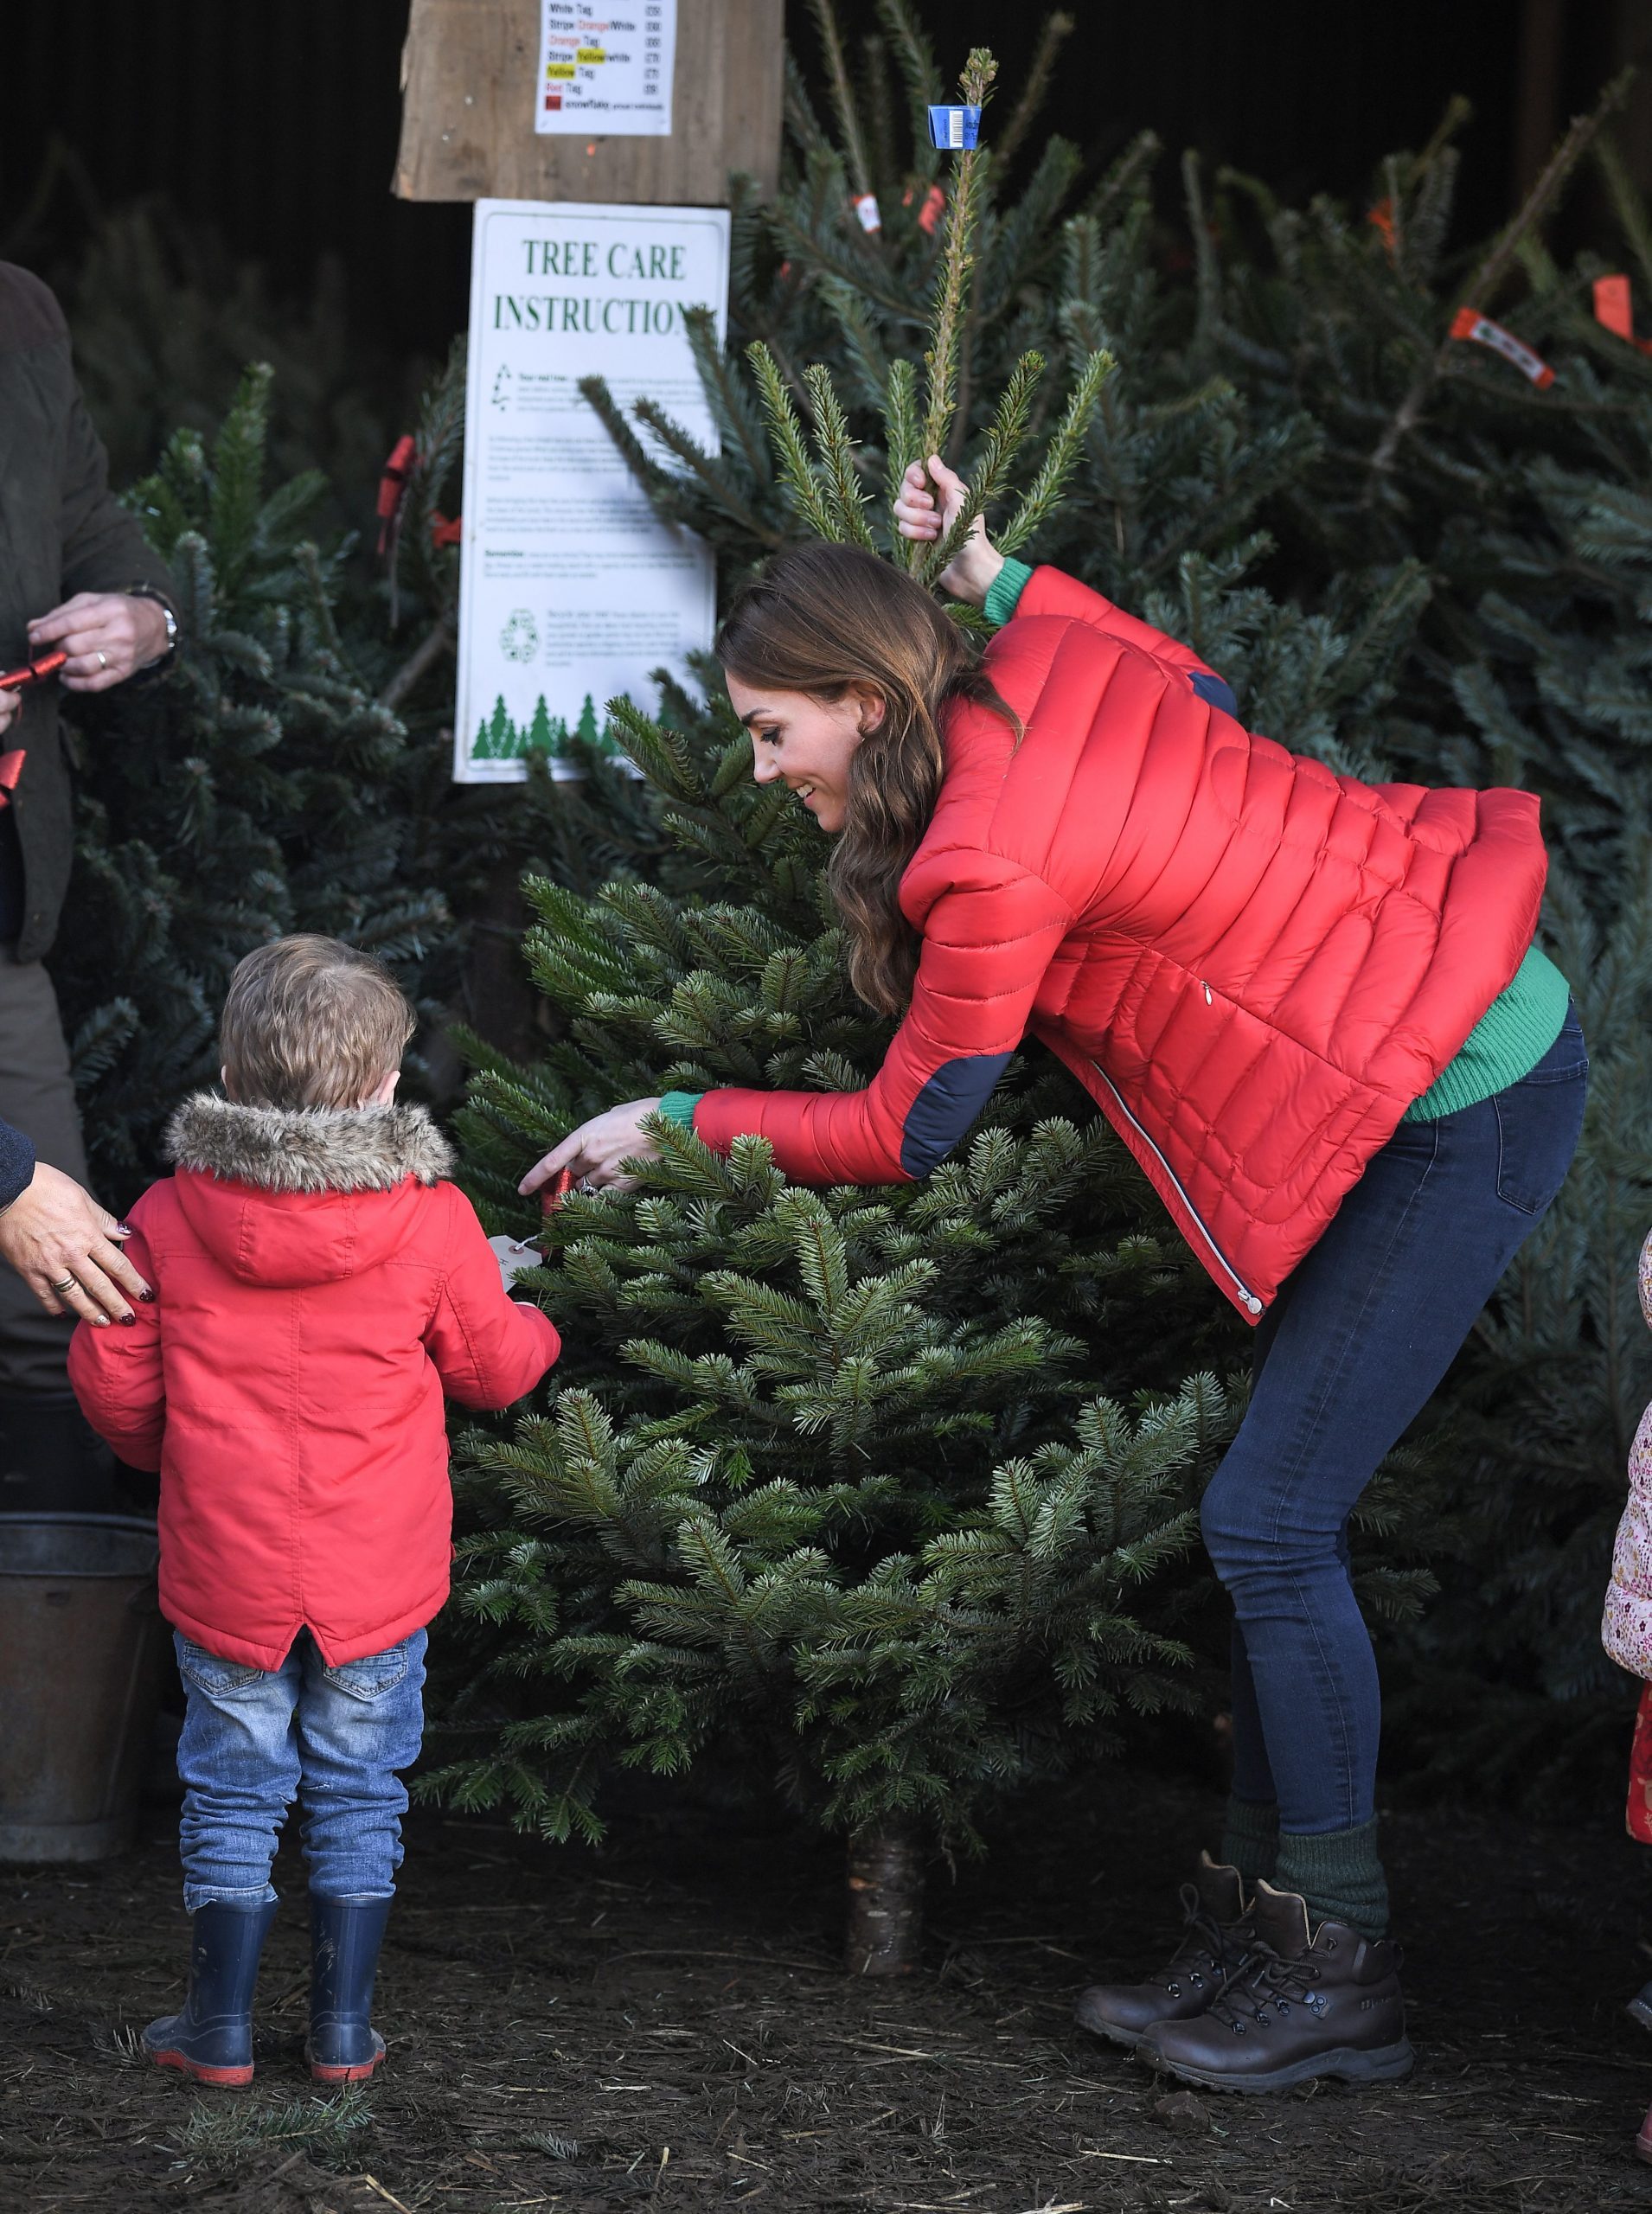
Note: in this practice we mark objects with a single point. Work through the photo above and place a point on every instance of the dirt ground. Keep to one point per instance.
(664, 2025)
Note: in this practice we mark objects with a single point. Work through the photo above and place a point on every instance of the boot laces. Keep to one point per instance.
(1266, 1985)
(1204, 1952)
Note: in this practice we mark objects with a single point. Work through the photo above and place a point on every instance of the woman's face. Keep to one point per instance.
(807, 744)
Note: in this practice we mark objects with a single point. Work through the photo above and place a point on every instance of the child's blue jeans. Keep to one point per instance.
(1349, 1355)
(255, 1739)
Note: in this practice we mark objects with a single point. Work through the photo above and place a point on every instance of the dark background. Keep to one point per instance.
(278, 124)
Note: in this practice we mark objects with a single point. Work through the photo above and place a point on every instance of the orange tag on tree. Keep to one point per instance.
(1615, 312)
(1469, 323)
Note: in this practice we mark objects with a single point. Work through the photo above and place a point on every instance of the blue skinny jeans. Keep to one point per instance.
(1350, 1354)
(255, 1739)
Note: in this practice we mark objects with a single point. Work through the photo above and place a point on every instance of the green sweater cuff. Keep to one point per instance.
(1007, 586)
(678, 1107)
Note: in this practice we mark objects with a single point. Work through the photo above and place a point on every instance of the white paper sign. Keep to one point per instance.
(607, 74)
(572, 590)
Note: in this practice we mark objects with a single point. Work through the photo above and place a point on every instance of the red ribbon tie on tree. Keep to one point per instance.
(393, 487)
(556, 1191)
(1469, 323)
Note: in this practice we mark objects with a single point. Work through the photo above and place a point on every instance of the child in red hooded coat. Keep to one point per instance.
(318, 1287)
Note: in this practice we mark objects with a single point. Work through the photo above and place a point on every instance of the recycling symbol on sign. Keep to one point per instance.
(519, 640)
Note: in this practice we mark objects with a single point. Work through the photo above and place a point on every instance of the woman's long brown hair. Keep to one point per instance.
(818, 619)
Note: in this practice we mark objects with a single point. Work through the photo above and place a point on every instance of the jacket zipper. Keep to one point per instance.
(1248, 1298)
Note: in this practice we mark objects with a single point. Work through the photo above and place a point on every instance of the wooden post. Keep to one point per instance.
(1538, 92)
(469, 74)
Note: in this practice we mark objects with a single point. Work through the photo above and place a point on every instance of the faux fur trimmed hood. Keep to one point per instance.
(307, 1149)
(292, 1196)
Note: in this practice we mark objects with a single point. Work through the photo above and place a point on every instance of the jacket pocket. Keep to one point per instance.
(211, 1673)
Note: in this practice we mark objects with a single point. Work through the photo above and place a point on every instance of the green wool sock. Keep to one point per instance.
(1339, 1874)
(1251, 1838)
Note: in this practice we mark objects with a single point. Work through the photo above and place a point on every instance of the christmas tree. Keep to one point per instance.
(1410, 537)
(261, 789)
(1406, 555)
(824, 1481)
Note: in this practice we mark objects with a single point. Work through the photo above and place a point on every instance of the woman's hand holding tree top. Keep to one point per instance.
(972, 572)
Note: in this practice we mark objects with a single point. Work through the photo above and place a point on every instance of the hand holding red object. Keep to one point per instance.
(106, 635)
(32, 672)
(13, 682)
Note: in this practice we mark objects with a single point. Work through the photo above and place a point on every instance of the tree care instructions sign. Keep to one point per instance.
(572, 591)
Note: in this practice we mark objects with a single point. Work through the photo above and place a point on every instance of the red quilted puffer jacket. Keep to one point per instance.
(1254, 965)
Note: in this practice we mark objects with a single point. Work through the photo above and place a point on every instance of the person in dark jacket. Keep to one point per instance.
(76, 576)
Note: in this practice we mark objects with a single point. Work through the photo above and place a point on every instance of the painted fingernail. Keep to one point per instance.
(126, 1320)
(123, 1229)
(148, 1298)
(100, 1321)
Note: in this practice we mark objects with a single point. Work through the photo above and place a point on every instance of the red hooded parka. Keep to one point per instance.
(1253, 965)
(317, 1289)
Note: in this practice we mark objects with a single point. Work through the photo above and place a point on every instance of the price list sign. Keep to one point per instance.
(607, 74)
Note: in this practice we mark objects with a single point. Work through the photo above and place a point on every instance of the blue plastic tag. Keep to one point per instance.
(954, 128)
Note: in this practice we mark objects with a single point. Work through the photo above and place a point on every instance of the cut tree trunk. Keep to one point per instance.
(885, 1901)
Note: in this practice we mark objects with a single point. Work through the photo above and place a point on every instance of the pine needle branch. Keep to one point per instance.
(990, 474)
(843, 100)
(836, 451)
(1479, 289)
(1053, 36)
(797, 475)
(1045, 491)
(952, 282)
(1627, 203)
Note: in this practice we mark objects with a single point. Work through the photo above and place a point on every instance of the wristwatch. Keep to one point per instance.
(148, 592)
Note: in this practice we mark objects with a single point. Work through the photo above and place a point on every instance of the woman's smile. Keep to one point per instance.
(807, 744)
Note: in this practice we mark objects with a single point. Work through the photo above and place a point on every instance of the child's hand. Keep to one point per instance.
(513, 1259)
(970, 573)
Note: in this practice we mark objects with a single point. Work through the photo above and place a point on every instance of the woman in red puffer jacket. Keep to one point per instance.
(1313, 1011)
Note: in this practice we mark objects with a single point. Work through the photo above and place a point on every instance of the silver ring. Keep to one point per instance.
(69, 1283)
(103, 659)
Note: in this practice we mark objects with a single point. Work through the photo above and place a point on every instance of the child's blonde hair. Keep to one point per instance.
(312, 1022)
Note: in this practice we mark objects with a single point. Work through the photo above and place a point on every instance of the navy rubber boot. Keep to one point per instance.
(345, 1935)
(212, 2037)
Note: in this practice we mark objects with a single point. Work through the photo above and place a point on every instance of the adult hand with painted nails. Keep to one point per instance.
(108, 636)
(596, 1150)
(68, 1250)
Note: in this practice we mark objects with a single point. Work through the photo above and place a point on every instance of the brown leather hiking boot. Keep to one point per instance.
(1303, 2004)
(1215, 1937)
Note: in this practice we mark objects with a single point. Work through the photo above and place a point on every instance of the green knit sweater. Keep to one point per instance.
(1508, 1042)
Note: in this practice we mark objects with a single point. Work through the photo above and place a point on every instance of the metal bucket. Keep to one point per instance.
(80, 1650)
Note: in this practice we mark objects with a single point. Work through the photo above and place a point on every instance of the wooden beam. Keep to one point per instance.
(1537, 90)
(469, 74)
